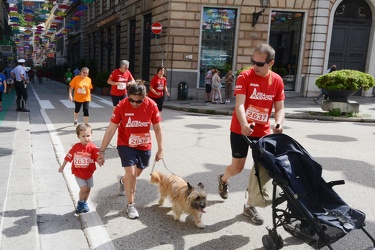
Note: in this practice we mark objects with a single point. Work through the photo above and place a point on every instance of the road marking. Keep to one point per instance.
(68, 104)
(95, 105)
(106, 102)
(45, 104)
(71, 105)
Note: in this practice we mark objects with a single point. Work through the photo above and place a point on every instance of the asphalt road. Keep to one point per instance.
(197, 149)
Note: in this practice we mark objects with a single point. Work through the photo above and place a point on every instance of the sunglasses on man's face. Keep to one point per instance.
(259, 64)
(135, 101)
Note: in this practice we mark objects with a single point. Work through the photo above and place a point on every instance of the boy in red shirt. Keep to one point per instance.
(83, 156)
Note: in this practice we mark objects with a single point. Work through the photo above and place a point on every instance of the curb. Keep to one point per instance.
(305, 116)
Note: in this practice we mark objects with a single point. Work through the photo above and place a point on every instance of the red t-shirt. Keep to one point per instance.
(118, 76)
(158, 84)
(83, 158)
(134, 123)
(261, 93)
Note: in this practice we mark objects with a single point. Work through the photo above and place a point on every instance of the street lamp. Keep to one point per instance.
(256, 15)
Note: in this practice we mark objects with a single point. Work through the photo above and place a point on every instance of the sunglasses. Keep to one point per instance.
(135, 101)
(259, 64)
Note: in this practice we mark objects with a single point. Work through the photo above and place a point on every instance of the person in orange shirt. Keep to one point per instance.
(81, 84)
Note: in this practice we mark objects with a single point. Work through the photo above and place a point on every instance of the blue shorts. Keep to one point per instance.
(134, 157)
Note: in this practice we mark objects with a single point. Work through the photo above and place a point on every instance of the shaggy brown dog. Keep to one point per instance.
(184, 197)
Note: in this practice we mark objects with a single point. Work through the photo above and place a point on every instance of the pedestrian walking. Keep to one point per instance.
(31, 75)
(77, 71)
(208, 83)
(216, 88)
(322, 91)
(158, 86)
(9, 79)
(228, 80)
(68, 76)
(254, 103)
(3, 88)
(39, 75)
(118, 80)
(133, 117)
(20, 84)
(83, 156)
(81, 85)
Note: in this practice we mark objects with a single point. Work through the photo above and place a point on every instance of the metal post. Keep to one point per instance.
(162, 51)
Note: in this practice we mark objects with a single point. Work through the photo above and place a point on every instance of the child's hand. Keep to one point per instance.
(61, 169)
(101, 161)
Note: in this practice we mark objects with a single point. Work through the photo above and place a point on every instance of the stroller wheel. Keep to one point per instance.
(280, 242)
(268, 242)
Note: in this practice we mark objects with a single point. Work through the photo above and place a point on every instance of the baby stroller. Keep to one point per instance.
(313, 211)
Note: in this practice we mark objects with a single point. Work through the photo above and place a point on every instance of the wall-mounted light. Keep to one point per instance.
(264, 4)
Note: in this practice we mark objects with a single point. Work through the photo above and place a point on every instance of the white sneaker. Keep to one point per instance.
(132, 212)
(121, 189)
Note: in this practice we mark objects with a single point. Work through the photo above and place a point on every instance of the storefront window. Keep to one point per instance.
(285, 38)
(217, 40)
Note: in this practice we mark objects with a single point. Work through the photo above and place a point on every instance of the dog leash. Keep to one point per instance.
(165, 165)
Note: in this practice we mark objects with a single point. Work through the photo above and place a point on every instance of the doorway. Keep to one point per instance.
(352, 21)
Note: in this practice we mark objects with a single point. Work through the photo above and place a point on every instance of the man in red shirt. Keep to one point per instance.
(257, 91)
(118, 80)
(133, 117)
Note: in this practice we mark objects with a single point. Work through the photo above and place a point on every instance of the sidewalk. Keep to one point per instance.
(35, 203)
(295, 108)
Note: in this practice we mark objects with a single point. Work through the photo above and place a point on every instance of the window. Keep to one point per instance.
(217, 40)
(285, 38)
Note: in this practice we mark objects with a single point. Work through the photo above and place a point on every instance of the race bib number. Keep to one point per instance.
(68, 79)
(82, 160)
(81, 91)
(121, 86)
(257, 114)
(139, 139)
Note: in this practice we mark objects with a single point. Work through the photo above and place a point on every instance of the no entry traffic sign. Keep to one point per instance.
(156, 28)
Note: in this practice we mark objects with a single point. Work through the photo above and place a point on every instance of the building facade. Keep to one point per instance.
(307, 35)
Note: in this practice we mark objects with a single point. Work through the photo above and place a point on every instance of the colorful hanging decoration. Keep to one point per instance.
(82, 7)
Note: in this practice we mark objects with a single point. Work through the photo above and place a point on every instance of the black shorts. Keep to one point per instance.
(116, 99)
(208, 88)
(239, 146)
(159, 101)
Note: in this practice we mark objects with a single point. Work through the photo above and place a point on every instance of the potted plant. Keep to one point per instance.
(101, 82)
(341, 84)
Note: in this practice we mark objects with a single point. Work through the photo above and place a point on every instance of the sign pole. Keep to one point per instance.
(156, 28)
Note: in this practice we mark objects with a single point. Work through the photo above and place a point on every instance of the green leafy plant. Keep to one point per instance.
(345, 79)
(101, 79)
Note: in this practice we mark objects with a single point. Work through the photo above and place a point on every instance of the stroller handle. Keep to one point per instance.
(250, 142)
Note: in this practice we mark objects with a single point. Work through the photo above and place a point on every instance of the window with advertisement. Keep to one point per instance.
(217, 40)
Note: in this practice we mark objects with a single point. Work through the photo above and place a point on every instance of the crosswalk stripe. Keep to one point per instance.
(95, 105)
(45, 104)
(106, 102)
(70, 105)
